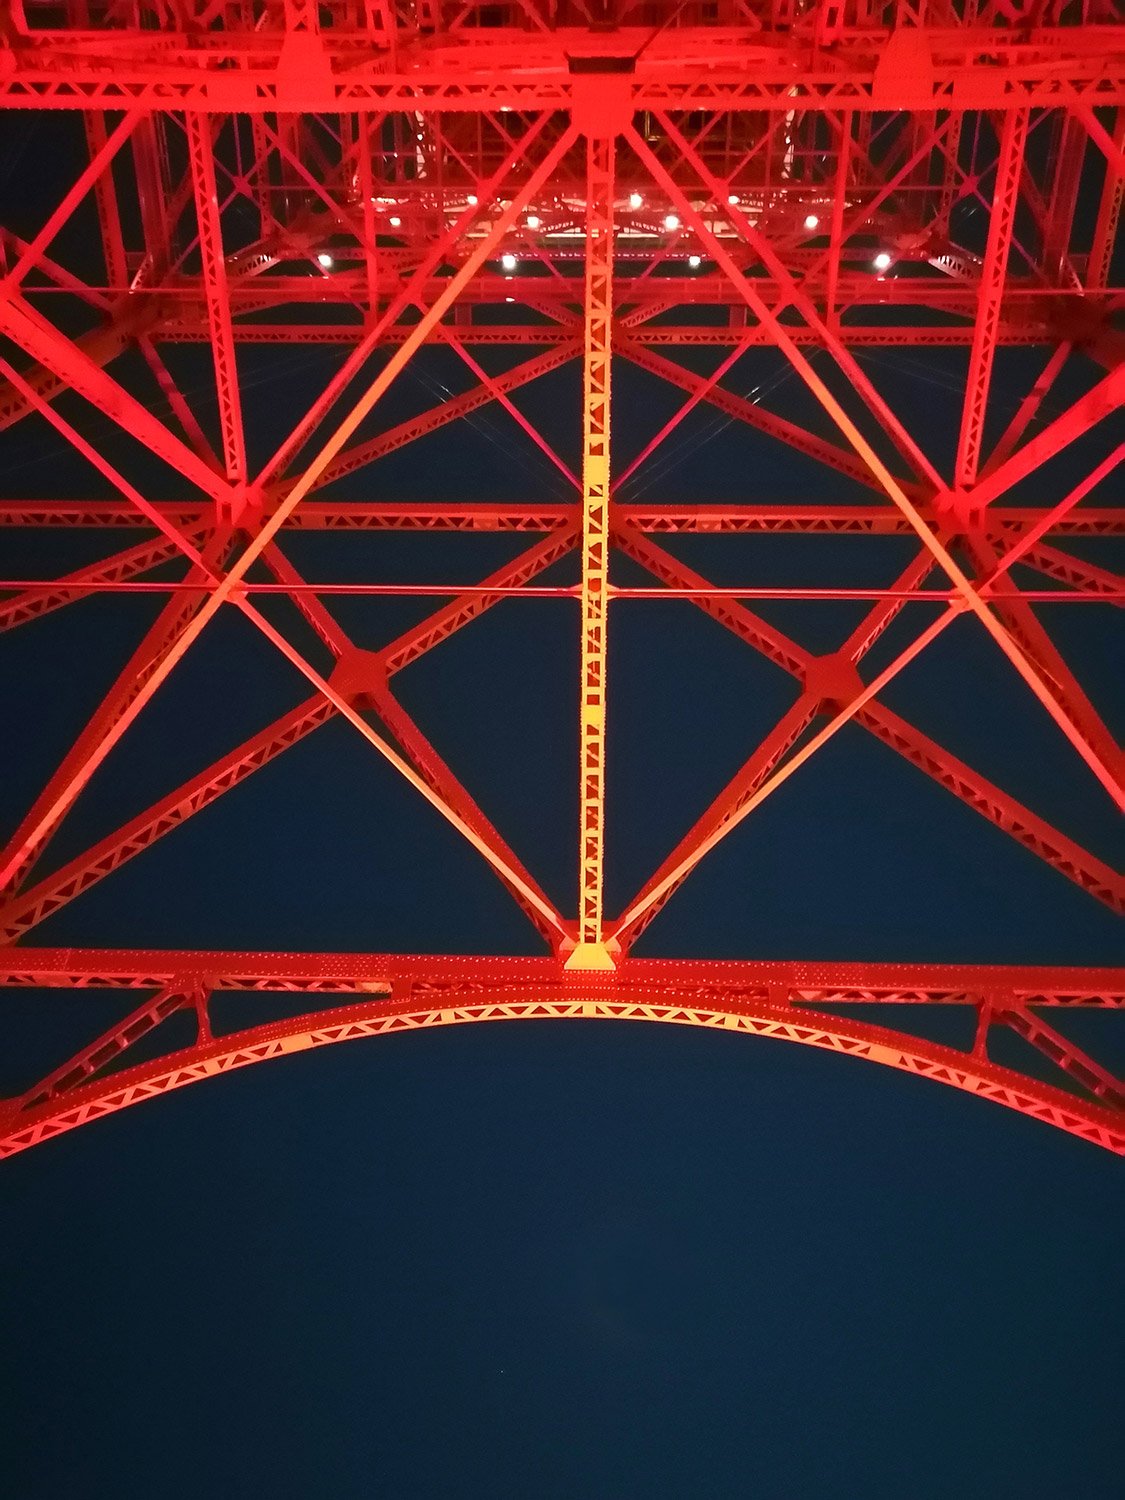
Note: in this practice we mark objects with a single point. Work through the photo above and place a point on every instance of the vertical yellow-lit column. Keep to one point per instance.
(591, 951)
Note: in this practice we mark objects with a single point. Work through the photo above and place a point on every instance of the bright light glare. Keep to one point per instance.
(695, 261)
(882, 261)
(472, 200)
(671, 222)
(509, 299)
(508, 262)
(395, 222)
(325, 259)
(533, 221)
(811, 221)
(635, 200)
(733, 200)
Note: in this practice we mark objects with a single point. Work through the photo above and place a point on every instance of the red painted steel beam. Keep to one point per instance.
(79, 584)
(181, 324)
(144, 665)
(1005, 199)
(64, 794)
(33, 905)
(361, 454)
(1021, 620)
(1085, 413)
(26, 910)
(1107, 775)
(670, 874)
(813, 981)
(999, 807)
(109, 210)
(798, 518)
(1062, 853)
(71, 365)
(685, 67)
(88, 178)
(306, 594)
(576, 997)
(80, 1068)
(210, 230)
(100, 346)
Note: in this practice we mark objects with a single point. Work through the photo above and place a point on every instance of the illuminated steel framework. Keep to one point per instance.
(589, 178)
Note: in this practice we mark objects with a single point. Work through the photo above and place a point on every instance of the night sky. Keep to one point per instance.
(584, 1260)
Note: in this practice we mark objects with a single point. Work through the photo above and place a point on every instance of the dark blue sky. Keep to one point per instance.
(606, 1261)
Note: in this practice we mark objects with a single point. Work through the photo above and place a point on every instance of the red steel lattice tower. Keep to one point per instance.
(596, 180)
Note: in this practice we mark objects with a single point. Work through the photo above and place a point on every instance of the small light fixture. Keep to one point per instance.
(508, 261)
(695, 261)
(635, 200)
(395, 221)
(811, 221)
(325, 259)
(509, 299)
(533, 221)
(472, 200)
(733, 199)
(671, 221)
(882, 261)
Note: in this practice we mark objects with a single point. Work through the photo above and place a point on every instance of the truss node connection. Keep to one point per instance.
(732, 202)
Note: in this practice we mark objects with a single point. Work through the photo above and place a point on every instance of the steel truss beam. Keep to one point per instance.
(750, 516)
(382, 230)
(684, 67)
(399, 993)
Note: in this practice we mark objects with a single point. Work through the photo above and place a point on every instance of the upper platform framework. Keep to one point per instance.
(588, 179)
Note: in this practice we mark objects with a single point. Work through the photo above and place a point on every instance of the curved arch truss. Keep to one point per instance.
(776, 1001)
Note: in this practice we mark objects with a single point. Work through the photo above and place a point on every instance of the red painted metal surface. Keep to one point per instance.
(574, 180)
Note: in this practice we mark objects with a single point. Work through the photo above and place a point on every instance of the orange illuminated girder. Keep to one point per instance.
(722, 184)
(590, 952)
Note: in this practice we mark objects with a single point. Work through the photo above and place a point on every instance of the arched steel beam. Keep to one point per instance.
(378, 1016)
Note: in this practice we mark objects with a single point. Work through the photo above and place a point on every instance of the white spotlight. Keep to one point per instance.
(395, 222)
(882, 261)
(695, 261)
(635, 200)
(811, 221)
(733, 199)
(533, 221)
(671, 221)
(508, 262)
(472, 200)
(509, 299)
(325, 259)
